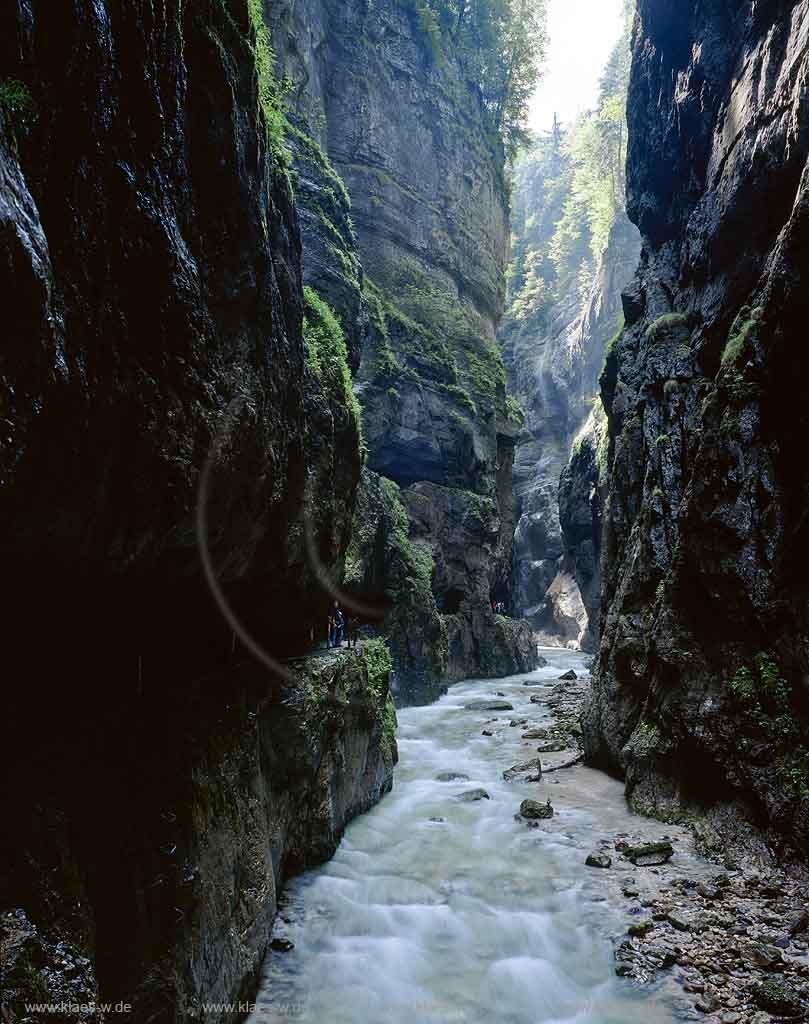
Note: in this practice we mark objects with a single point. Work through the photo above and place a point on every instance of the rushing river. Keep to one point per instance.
(475, 918)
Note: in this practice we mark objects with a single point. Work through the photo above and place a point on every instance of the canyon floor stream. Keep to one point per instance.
(475, 917)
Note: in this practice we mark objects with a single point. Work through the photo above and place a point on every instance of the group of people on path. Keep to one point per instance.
(341, 627)
(499, 607)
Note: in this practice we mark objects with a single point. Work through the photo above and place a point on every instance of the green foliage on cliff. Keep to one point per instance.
(764, 696)
(17, 103)
(740, 334)
(515, 411)
(270, 91)
(424, 331)
(764, 699)
(312, 151)
(663, 324)
(383, 558)
(378, 700)
(326, 353)
(569, 191)
(499, 46)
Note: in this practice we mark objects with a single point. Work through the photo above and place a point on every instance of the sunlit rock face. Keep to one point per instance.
(409, 139)
(700, 691)
(554, 372)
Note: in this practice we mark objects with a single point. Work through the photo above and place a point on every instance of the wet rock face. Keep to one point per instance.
(150, 266)
(153, 254)
(166, 898)
(699, 691)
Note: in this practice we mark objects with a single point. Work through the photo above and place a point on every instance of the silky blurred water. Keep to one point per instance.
(477, 918)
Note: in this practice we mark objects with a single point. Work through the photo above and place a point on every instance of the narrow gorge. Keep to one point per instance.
(403, 507)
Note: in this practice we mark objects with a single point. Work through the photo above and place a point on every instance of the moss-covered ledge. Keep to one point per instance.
(338, 690)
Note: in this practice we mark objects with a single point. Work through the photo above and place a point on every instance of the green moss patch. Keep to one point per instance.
(741, 334)
(326, 354)
(664, 325)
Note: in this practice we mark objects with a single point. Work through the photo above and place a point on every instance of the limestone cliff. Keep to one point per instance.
(408, 136)
(701, 689)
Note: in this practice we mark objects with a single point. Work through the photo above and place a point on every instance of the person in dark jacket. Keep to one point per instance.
(339, 625)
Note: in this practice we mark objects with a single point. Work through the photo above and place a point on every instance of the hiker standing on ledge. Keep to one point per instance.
(339, 625)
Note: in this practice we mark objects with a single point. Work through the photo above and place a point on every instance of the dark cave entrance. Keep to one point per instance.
(449, 603)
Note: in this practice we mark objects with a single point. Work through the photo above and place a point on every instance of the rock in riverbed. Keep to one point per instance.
(489, 705)
(598, 860)
(522, 769)
(535, 734)
(649, 854)
(472, 795)
(776, 997)
(451, 777)
(569, 675)
(534, 810)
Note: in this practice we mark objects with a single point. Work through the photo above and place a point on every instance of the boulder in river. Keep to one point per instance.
(569, 675)
(471, 795)
(536, 699)
(522, 769)
(281, 945)
(777, 997)
(451, 777)
(534, 810)
(489, 705)
(535, 734)
(649, 854)
(598, 860)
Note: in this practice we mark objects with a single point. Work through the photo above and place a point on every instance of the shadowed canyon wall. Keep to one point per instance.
(701, 687)
(160, 784)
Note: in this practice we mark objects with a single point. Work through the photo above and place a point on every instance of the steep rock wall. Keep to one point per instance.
(701, 689)
(150, 267)
(409, 138)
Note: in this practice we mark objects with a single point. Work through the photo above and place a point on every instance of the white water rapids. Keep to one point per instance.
(477, 918)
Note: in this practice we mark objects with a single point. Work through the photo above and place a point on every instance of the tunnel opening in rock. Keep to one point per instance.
(451, 600)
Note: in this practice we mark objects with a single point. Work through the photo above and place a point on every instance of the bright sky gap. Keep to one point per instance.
(581, 35)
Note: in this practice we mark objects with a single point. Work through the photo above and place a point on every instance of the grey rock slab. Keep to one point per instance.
(649, 854)
(534, 810)
(472, 795)
(521, 769)
(489, 705)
